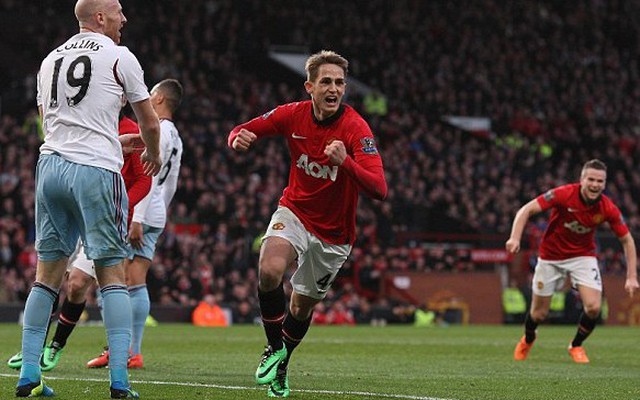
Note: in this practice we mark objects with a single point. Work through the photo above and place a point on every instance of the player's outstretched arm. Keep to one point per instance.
(519, 222)
(630, 254)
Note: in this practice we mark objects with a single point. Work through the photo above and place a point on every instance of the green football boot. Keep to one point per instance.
(268, 367)
(34, 389)
(280, 385)
(127, 393)
(50, 357)
(15, 361)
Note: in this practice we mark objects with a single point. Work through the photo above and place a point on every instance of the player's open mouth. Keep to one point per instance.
(593, 194)
(332, 100)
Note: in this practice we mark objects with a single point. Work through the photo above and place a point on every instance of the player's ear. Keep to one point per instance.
(99, 18)
(308, 86)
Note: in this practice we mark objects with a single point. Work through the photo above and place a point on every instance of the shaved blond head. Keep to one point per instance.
(101, 16)
(85, 10)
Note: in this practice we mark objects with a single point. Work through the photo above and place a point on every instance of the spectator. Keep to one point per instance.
(514, 303)
(245, 313)
(338, 314)
(209, 313)
(436, 172)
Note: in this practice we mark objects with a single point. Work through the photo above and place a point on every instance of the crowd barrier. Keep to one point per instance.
(12, 312)
(476, 296)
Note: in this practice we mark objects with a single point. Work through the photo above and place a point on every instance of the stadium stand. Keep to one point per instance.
(559, 82)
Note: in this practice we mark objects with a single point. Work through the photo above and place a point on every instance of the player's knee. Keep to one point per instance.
(592, 310)
(270, 274)
(269, 281)
(300, 312)
(539, 315)
(77, 287)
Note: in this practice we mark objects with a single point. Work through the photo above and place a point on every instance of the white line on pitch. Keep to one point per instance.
(214, 386)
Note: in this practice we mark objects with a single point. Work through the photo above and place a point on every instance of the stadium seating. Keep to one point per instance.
(558, 82)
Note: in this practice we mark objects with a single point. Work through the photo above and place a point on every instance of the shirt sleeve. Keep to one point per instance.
(38, 90)
(268, 124)
(616, 221)
(552, 198)
(131, 77)
(365, 167)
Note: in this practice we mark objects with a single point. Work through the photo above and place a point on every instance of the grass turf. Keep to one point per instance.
(456, 362)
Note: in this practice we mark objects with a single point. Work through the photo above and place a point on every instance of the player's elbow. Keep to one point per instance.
(384, 192)
(380, 192)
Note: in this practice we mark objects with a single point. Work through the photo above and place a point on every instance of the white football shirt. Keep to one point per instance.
(82, 86)
(152, 210)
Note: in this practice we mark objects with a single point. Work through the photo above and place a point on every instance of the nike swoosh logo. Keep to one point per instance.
(571, 209)
(266, 372)
(296, 136)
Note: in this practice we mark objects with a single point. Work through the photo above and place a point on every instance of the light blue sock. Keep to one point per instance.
(117, 322)
(99, 303)
(37, 311)
(140, 306)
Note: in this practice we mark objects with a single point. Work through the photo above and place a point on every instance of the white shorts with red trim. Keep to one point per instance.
(318, 261)
(550, 276)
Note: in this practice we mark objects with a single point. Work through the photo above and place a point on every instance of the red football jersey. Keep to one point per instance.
(323, 196)
(137, 183)
(573, 223)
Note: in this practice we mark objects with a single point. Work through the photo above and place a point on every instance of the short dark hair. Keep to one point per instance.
(173, 91)
(595, 164)
(324, 57)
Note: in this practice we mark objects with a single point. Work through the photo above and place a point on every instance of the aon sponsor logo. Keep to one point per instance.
(576, 227)
(316, 170)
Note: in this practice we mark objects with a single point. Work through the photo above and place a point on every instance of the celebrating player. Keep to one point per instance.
(568, 248)
(333, 158)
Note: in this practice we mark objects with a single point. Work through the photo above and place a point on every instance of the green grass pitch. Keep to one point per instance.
(403, 362)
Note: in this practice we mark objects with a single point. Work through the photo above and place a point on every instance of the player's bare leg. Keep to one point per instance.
(538, 313)
(276, 254)
(592, 303)
(294, 328)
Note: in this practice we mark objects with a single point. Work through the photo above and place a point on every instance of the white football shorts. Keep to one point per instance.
(80, 261)
(550, 276)
(318, 262)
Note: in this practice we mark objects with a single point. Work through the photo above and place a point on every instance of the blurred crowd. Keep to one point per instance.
(558, 80)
